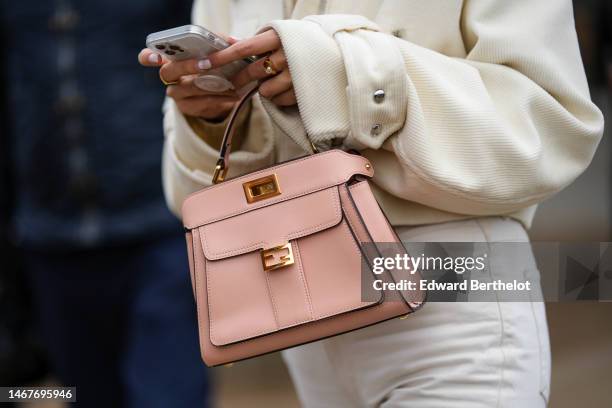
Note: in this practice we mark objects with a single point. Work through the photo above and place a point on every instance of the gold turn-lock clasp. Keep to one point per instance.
(261, 188)
(277, 257)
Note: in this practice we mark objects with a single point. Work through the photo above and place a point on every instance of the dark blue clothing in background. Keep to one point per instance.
(86, 122)
(117, 326)
(106, 260)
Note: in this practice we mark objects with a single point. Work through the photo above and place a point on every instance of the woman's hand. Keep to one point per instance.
(190, 99)
(275, 83)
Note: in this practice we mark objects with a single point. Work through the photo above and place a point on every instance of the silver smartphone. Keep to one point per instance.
(193, 41)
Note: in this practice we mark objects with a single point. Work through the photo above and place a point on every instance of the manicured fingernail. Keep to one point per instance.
(204, 64)
(154, 58)
(233, 39)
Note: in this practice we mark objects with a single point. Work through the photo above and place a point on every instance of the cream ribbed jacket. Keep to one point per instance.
(486, 108)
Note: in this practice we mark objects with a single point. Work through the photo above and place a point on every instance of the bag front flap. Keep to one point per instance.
(280, 183)
(271, 226)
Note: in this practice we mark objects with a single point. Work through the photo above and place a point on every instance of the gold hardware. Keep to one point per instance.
(261, 188)
(220, 172)
(228, 365)
(269, 67)
(404, 317)
(314, 148)
(368, 166)
(274, 258)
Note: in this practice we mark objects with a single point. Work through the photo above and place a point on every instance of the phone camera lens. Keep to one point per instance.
(170, 52)
(175, 47)
(160, 47)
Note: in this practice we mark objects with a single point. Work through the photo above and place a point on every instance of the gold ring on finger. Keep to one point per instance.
(166, 82)
(268, 66)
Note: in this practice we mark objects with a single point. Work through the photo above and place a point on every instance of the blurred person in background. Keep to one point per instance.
(105, 259)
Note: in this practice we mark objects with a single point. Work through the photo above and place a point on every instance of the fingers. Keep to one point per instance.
(194, 101)
(287, 98)
(186, 88)
(149, 58)
(256, 71)
(207, 107)
(173, 70)
(260, 44)
(276, 85)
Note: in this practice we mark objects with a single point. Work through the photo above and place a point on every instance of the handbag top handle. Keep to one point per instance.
(226, 144)
(222, 165)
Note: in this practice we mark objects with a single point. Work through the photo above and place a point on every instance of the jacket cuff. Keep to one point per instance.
(349, 79)
(319, 81)
(377, 88)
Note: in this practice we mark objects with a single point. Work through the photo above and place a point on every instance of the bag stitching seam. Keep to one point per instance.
(303, 279)
(198, 283)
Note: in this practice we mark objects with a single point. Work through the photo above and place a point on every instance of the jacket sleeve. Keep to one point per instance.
(503, 128)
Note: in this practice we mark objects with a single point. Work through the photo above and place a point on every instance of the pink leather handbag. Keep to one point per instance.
(276, 255)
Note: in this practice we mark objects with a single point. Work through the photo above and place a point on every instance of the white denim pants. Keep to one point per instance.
(446, 355)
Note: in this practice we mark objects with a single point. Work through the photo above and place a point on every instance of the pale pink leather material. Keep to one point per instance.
(286, 297)
(295, 178)
(332, 261)
(189, 239)
(381, 231)
(272, 225)
(243, 310)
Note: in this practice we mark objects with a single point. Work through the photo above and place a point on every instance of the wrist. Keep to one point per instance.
(211, 130)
